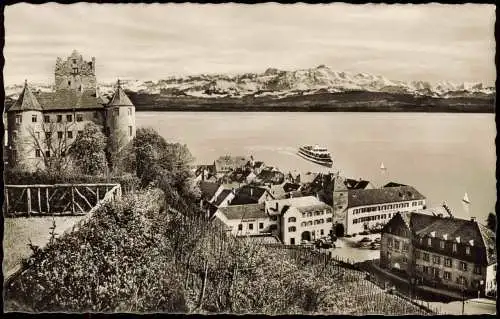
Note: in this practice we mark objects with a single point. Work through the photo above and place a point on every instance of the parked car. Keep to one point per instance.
(374, 245)
(365, 240)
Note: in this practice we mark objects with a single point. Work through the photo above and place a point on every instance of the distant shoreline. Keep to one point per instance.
(340, 102)
(312, 110)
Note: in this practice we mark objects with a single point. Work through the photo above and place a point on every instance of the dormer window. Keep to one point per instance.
(441, 244)
(455, 248)
(79, 117)
(429, 241)
(33, 118)
(19, 119)
(467, 250)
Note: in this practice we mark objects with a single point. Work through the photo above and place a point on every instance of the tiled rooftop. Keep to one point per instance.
(243, 211)
(363, 197)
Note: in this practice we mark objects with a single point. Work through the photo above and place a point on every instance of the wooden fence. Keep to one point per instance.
(57, 199)
(111, 195)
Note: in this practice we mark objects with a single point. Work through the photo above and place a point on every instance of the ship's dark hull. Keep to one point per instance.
(323, 162)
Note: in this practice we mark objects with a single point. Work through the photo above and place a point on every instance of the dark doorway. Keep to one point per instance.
(339, 230)
(306, 236)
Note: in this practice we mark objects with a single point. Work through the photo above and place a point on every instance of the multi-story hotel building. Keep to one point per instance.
(436, 249)
(300, 218)
(362, 209)
(293, 220)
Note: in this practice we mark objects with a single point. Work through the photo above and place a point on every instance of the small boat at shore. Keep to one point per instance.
(316, 154)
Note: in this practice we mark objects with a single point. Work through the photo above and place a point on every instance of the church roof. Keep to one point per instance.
(120, 98)
(27, 101)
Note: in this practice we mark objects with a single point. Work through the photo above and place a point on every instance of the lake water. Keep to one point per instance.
(442, 155)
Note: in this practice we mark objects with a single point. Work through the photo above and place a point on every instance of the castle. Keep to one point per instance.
(41, 125)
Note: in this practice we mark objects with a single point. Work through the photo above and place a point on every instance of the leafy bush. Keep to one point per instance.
(112, 263)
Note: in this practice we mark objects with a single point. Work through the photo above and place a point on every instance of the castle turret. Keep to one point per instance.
(24, 130)
(120, 120)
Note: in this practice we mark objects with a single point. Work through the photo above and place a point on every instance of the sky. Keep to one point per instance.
(148, 42)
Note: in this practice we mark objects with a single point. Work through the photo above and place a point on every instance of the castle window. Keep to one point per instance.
(69, 118)
(46, 118)
(250, 226)
(321, 232)
(292, 219)
(129, 111)
(79, 117)
(69, 83)
(240, 226)
(261, 225)
(80, 132)
(116, 111)
(47, 153)
(59, 118)
(33, 118)
(19, 119)
(70, 134)
(37, 153)
(59, 135)
(75, 70)
(292, 229)
(329, 220)
(130, 130)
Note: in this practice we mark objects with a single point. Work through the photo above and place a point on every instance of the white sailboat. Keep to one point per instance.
(382, 167)
(466, 199)
(466, 204)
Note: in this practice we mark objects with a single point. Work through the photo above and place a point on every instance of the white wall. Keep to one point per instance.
(389, 213)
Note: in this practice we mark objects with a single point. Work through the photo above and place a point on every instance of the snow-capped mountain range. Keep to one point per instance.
(278, 83)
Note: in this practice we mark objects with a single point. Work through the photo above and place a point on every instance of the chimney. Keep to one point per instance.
(473, 219)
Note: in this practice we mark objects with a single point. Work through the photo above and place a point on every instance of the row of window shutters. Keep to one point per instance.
(69, 117)
(448, 262)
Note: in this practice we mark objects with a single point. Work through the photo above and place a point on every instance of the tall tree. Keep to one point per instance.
(88, 150)
(163, 164)
(51, 143)
(491, 221)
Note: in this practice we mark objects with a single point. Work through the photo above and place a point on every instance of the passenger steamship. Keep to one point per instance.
(316, 154)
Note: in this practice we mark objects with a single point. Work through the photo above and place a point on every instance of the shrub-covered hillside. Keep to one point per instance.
(135, 256)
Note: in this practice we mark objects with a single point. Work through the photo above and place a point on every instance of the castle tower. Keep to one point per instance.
(75, 73)
(340, 202)
(25, 131)
(120, 120)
